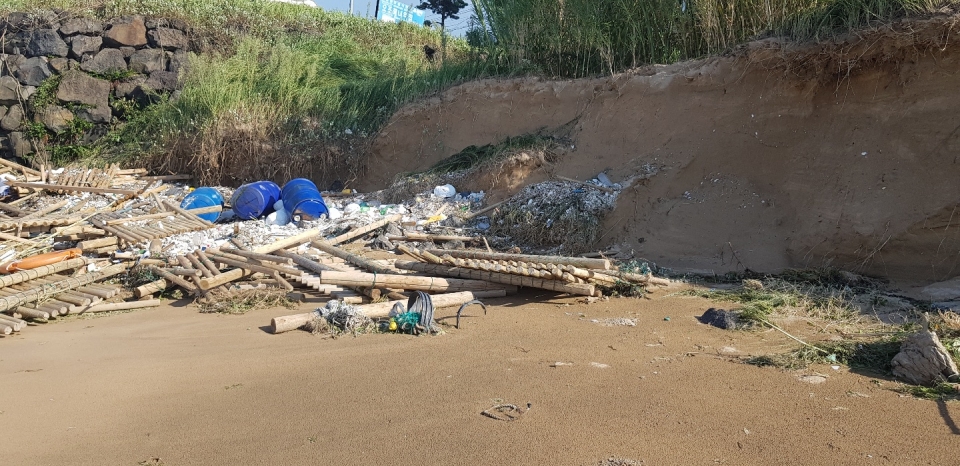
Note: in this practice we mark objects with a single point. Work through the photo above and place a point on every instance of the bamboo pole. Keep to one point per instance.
(518, 280)
(292, 322)
(33, 274)
(601, 264)
(407, 282)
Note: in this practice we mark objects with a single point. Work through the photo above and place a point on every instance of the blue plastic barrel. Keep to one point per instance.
(301, 197)
(254, 200)
(203, 197)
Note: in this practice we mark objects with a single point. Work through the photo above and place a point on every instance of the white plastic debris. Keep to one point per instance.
(604, 180)
(351, 208)
(278, 218)
(445, 191)
(334, 213)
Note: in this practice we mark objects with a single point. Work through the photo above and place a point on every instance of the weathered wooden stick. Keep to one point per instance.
(378, 310)
(354, 259)
(411, 236)
(364, 230)
(231, 275)
(17, 166)
(192, 217)
(197, 264)
(244, 263)
(175, 279)
(166, 178)
(202, 210)
(184, 272)
(602, 264)
(121, 306)
(11, 209)
(443, 270)
(98, 292)
(484, 210)
(257, 256)
(283, 283)
(206, 262)
(72, 189)
(5, 329)
(98, 243)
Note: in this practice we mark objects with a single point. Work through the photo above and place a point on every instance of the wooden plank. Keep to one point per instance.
(72, 189)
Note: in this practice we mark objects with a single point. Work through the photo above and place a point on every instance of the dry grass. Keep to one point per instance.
(241, 302)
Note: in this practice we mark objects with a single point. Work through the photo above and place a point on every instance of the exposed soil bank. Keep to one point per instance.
(841, 154)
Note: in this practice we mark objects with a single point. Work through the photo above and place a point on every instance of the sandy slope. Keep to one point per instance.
(840, 154)
(197, 389)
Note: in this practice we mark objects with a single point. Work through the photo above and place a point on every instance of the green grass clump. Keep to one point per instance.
(942, 391)
(586, 37)
(473, 156)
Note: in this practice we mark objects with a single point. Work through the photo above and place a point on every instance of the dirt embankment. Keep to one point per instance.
(840, 154)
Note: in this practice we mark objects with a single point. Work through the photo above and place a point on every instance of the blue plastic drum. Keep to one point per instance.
(254, 200)
(302, 198)
(203, 197)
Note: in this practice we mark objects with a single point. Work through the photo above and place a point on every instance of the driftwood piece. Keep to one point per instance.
(236, 274)
(923, 360)
(120, 306)
(408, 282)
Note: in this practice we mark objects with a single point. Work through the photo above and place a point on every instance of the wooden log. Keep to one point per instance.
(11, 209)
(206, 262)
(244, 263)
(411, 236)
(186, 272)
(98, 292)
(127, 305)
(150, 288)
(379, 310)
(188, 215)
(174, 279)
(601, 264)
(195, 262)
(484, 210)
(131, 171)
(407, 282)
(73, 299)
(202, 210)
(98, 243)
(257, 256)
(354, 259)
(507, 279)
(5, 329)
(236, 274)
(72, 189)
(364, 230)
(17, 239)
(33, 313)
(283, 283)
(17, 166)
(166, 178)
(15, 323)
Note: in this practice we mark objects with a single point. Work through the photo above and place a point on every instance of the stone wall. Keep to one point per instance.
(70, 78)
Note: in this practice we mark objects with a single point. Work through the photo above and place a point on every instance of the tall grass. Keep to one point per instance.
(586, 37)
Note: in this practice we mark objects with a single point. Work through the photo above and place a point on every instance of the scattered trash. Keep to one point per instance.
(445, 191)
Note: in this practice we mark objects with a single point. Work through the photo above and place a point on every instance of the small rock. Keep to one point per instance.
(126, 31)
(168, 39)
(3, 111)
(719, 318)
(33, 71)
(105, 61)
(127, 51)
(923, 360)
(46, 42)
(9, 90)
(56, 119)
(13, 119)
(20, 145)
(75, 26)
(148, 60)
(59, 65)
(84, 89)
(83, 45)
(812, 379)
(162, 81)
(179, 60)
